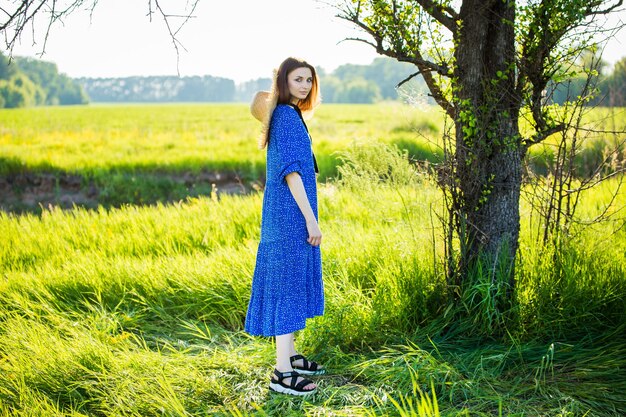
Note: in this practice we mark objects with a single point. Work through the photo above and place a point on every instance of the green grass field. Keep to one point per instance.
(144, 154)
(110, 155)
(180, 138)
(137, 310)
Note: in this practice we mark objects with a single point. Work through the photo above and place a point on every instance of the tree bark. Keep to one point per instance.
(488, 153)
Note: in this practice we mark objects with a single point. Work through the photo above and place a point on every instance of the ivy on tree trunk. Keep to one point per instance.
(488, 152)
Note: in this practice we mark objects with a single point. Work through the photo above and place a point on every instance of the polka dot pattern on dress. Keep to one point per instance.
(287, 285)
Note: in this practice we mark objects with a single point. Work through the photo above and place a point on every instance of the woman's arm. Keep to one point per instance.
(294, 182)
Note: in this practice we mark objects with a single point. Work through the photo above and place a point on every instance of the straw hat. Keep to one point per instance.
(261, 105)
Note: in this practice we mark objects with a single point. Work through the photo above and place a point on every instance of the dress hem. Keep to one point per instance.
(295, 329)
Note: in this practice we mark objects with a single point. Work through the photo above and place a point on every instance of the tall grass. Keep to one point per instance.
(139, 310)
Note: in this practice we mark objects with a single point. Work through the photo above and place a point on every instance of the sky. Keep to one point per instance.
(236, 39)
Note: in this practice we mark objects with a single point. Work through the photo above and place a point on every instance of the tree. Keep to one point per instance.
(383, 72)
(386, 73)
(331, 87)
(70, 92)
(246, 91)
(487, 63)
(58, 88)
(357, 90)
(6, 70)
(20, 91)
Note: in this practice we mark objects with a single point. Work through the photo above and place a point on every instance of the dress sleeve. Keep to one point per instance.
(291, 140)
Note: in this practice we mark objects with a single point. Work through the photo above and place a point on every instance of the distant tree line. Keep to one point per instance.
(352, 83)
(31, 82)
(377, 81)
(159, 89)
(348, 83)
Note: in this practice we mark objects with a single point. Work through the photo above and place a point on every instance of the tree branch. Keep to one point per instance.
(438, 12)
(591, 12)
(437, 94)
(417, 59)
(541, 135)
(538, 64)
(175, 42)
(435, 91)
(18, 16)
(425, 67)
(358, 40)
(407, 79)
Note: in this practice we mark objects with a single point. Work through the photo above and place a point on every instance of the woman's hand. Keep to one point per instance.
(315, 234)
(296, 187)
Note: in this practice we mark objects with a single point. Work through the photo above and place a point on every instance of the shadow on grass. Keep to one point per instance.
(30, 189)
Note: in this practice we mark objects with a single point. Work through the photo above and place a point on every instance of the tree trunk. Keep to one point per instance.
(488, 153)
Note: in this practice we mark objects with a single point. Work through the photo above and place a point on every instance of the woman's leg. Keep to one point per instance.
(284, 344)
(285, 349)
(300, 362)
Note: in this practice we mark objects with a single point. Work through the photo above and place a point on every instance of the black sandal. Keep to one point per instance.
(293, 388)
(307, 367)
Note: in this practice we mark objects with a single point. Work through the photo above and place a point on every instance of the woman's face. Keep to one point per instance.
(300, 82)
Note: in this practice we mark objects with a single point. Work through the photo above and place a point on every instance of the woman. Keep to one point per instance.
(287, 284)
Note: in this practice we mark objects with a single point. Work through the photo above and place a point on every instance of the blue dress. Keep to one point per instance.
(287, 284)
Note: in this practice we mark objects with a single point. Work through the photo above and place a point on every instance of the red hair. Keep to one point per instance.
(284, 97)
